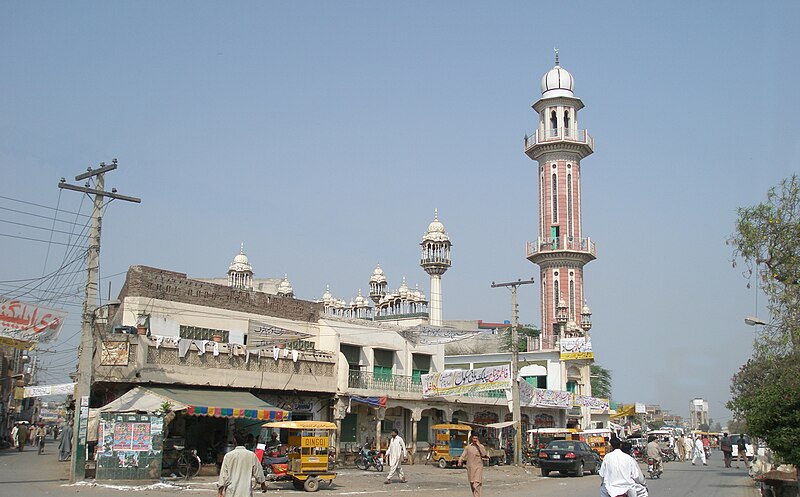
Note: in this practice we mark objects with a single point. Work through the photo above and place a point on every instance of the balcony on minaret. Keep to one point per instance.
(583, 248)
(569, 136)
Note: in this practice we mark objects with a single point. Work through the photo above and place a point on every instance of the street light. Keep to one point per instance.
(754, 321)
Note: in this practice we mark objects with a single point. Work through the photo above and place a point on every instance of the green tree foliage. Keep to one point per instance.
(766, 390)
(601, 381)
(524, 332)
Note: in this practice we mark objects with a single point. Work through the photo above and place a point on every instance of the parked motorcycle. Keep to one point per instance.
(654, 468)
(367, 458)
(275, 465)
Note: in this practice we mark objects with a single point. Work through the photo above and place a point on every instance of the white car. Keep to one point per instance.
(747, 443)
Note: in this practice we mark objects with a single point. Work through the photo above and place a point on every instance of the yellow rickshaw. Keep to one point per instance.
(598, 439)
(448, 443)
(311, 455)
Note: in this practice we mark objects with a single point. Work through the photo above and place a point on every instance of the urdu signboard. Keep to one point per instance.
(29, 322)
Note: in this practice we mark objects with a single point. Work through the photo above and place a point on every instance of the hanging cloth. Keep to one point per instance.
(183, 347)
(295, 355)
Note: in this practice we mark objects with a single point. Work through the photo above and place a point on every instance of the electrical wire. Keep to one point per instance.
(41, 205)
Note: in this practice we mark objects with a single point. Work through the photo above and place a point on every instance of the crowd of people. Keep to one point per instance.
(24, 434)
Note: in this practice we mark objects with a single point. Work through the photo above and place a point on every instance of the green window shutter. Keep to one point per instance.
(349, 427)
(352, 353)
(423, 429)
(382, 373)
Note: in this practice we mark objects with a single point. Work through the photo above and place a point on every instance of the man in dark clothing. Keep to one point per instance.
(727, 449)
(741, 445)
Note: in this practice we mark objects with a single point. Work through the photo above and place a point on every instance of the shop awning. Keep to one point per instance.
(221, 403)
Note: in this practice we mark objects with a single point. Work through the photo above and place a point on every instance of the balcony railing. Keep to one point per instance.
(552, 135)
(383, 381)
(569, 243)
(543, 343)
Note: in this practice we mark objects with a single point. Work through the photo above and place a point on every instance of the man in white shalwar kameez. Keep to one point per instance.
(395, 453)
(620, 474)
(699, 451)
(688, 447)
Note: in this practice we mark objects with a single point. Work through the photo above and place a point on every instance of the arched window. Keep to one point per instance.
(555, 198)
(556, 291)
(569, 206)
(572, 299)
(553, 123)
(566, 121)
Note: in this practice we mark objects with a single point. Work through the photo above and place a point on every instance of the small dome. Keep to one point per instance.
(284, 287)
(403, 290)
(377, 275)
(240, 262)
(557, 82)
(436, 231)
(327, 295)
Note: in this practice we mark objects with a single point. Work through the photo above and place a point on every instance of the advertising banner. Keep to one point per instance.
(261, 334)
(29, 322)
(114, 353)
(45, 390)
(590, 402)
(576, 348)
(552, 398)
(641, 408)
(431, 335)
(464, 381)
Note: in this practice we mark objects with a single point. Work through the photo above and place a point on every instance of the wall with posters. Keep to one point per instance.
(129, 446)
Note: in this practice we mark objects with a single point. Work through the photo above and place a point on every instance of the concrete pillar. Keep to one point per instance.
(416, 415)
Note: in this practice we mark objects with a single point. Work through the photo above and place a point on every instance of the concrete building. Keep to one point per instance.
(698, 413)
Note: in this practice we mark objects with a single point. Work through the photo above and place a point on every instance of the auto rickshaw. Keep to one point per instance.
(598, 439)
(449, 442)
(310, 454)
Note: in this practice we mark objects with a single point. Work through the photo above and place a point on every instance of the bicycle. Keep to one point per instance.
(186, 464)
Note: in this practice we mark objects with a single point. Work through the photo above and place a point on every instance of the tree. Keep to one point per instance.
(601, 381)
(524, 332)
(766, 390)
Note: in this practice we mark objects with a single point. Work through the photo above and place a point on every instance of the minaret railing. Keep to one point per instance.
(556, 134)
(567, 243)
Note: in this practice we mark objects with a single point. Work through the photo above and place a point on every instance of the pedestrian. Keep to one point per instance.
(726, 447)
(39, 435)
(20, 435)
(653, 451)
(239, 467)
(620, 474)
(474, 454)
(395, 454)
(688, 447)
(680, 448)
(65, 445)
(741, 446)
(699, 451)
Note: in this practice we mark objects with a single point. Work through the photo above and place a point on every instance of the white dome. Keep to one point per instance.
(377, 275)
(557, 82)
(403, 290)
(285, 288)
(327, 295)
(240, 262)
(436, 231)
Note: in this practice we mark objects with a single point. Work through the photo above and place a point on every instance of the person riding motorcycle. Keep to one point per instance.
(654, 452)
(620, 475)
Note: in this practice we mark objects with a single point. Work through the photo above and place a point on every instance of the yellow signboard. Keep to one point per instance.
(17, 344)
(314, 442)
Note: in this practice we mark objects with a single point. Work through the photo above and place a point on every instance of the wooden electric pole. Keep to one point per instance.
(86, 349)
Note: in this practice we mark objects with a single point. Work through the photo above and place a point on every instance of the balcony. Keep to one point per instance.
(562, 244)
(543, 343)
(540, 137)
(385, 382)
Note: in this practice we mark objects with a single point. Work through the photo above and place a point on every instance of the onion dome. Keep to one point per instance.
(241, 263)
(377, 275)
(284, 287)
(557, 82)
(436, 231)
(403, 290)
(327, 297)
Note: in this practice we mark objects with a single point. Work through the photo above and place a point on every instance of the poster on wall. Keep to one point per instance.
(590, 402)
(114, 353)
(140, 436)
(552, 398)
(464, 381)
(122, 436)
(576, 348)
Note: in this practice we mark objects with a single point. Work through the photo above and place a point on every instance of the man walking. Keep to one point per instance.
(65, 445)
(396, 453)
(620, 474)
(688, 447)
(680, 448)
(699, 451)
(238, 468)
(474, 454)
(741, 447)
(726, 447)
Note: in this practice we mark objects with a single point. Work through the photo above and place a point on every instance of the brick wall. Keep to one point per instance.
(143, 281)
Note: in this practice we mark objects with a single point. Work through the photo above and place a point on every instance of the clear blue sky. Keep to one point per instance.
(324, 134)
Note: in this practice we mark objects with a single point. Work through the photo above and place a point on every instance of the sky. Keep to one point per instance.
(323, 135)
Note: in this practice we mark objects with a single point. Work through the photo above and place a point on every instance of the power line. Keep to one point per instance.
(35, 239)
(38, 215)
(42, 206)
(51, 230)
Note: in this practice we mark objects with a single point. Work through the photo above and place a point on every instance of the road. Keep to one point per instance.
(27, 474)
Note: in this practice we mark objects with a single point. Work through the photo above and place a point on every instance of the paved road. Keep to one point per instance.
(30, 475)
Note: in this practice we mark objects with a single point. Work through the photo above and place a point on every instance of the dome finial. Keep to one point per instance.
(241, 250)
(435, 213)
(556, 51)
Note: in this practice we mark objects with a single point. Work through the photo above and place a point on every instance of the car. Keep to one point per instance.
(747, 443)
(568, 456)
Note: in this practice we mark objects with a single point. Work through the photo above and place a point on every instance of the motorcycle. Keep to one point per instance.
(368, 457)
(276, 466)
(670, 455)
(654, 468)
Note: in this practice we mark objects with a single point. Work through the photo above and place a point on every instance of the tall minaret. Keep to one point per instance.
(561, 250)
(435, 261)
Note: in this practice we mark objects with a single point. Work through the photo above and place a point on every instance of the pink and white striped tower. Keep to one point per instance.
(561, 249)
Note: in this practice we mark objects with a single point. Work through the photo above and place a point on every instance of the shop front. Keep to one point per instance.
(200, 420)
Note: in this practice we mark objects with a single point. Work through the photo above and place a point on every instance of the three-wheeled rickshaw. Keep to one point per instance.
(448, 443)
(311, 457)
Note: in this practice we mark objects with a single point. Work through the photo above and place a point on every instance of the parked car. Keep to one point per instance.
(568, 456)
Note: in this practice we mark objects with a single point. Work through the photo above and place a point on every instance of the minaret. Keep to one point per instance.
(561, 250)
(240, 272)
(435, 261)
(377, 287)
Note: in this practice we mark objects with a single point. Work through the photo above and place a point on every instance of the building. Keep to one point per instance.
(698, 413)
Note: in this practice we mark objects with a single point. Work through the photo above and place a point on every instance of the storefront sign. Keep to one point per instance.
(45, 390)
(430, 335)
(114, 353)
(261, 334)
(29, 322)
(576, 348)
(463, 381)
(591, 402)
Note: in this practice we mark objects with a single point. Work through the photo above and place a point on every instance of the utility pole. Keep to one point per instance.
(86, 349)
(516, 416)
